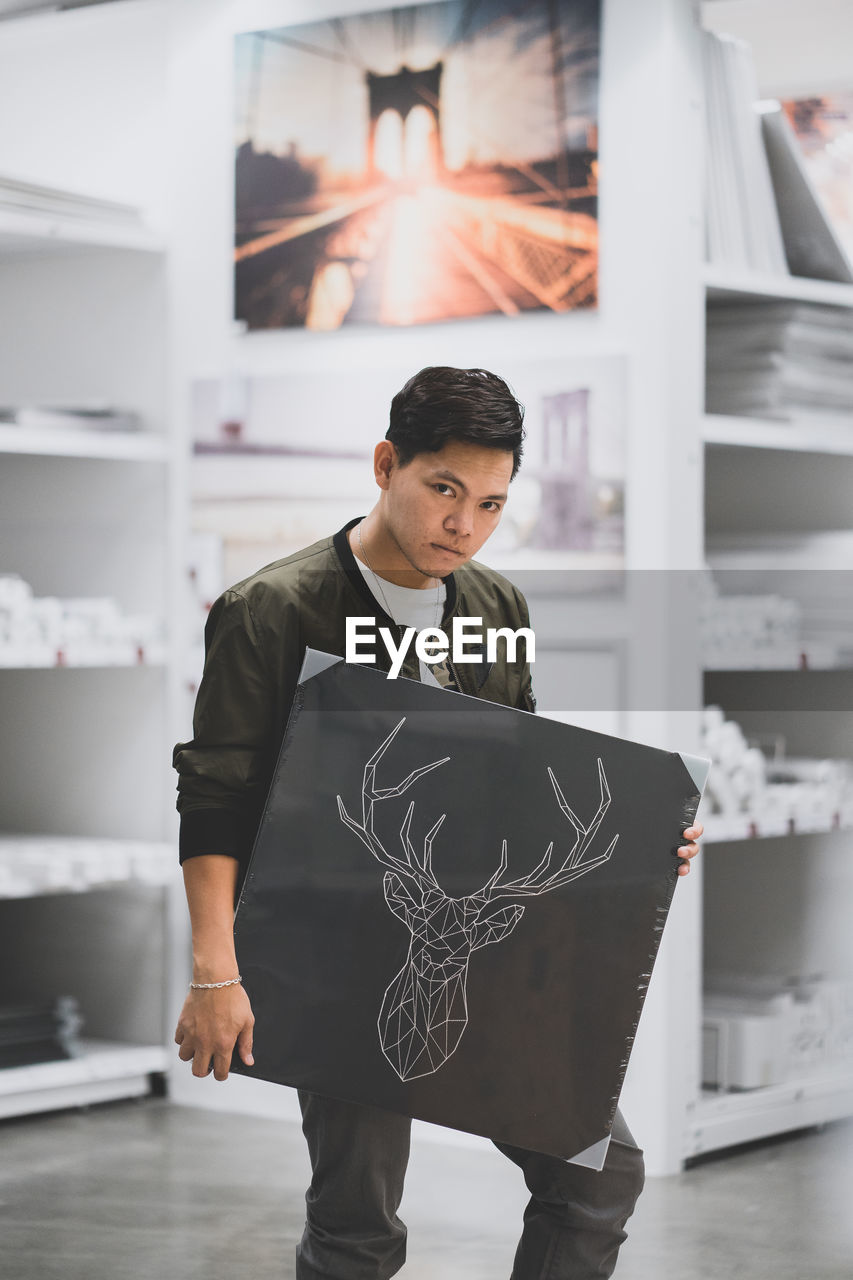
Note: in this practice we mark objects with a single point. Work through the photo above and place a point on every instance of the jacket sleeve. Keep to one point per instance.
(225, 769)
(527, 698)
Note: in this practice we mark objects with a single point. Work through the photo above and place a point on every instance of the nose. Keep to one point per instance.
(460, 522)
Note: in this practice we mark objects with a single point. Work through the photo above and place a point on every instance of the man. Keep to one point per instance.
(452, 448)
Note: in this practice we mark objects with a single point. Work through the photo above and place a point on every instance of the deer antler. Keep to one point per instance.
(370, 794)
(542, 879)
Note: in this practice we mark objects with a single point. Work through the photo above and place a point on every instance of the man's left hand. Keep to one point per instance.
(688, 851)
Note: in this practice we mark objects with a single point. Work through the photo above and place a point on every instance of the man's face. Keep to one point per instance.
(441, 507)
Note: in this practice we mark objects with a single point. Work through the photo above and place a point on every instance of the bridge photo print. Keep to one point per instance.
(418, 164)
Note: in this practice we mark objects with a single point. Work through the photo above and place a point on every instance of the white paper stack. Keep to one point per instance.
(749, 631)
(742, 220)
(31, 865)
(779, 359)
(44, 1032)
(815, 569)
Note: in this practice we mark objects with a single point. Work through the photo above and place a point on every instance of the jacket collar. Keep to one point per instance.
(359, 585)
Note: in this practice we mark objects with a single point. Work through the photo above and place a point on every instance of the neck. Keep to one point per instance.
(371, 543)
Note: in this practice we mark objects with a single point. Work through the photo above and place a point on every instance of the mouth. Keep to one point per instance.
(450, 551)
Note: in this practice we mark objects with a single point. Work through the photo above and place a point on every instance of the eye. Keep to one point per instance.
(443, 488)
(491, 506)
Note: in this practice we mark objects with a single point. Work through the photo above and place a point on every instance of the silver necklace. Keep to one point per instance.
(378, 581)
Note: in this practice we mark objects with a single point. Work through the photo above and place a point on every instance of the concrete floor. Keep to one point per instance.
(147, 1189)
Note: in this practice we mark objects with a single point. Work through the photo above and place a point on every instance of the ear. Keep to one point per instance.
(496, 927)
(385, 459)
(399, 898)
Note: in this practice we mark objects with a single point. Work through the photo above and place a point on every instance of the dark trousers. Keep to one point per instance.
(573, 1224)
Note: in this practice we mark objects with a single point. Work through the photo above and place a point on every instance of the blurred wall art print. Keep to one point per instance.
(418, 164)
(824, 127)
(279, 462)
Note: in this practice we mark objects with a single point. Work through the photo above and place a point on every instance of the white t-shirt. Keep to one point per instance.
(418, 607)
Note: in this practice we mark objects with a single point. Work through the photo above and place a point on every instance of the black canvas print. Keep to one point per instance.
(453, 907)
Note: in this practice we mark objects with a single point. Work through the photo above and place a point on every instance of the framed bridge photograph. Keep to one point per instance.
(417, 164)
(453, 907)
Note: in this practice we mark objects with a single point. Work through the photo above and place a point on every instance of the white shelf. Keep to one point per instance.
(720, 830)
(105, 1072)
(123, 447)
(33, 865)
(10, 665)
(794, 288)
(30, 232)
(811, 665)
(802, 436)
(726, 1119)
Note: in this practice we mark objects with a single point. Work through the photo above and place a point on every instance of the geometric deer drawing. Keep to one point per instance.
(425, 1008)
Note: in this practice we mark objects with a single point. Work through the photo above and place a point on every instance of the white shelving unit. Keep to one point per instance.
(727, 1119)
(749, 284)
(31, 233)
(88, 870)
(103, 1073)
(137, 447)
(794, 923)
(97, 665)
(753, 827)
(802, 436)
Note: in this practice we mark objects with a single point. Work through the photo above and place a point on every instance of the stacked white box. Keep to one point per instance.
(776, 796)
(745, 1042)
(761, 1030)
(46, 631)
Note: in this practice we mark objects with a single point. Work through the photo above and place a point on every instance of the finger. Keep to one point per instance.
(202, 1062)
(186, 1051)
(684, 868)
(221, 1066)
(244, 1046)
(688, 850)
(179, 1035)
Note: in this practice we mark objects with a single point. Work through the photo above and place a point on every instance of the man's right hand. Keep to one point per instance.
(212, 1022)
(214, 1019)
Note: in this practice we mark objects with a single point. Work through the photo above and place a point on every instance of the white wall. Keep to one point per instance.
(83, 101)
(800, 46)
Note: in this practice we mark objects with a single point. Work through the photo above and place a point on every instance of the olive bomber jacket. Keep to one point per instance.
(255, 639)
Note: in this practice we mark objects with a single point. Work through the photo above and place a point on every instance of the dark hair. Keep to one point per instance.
(441, 404)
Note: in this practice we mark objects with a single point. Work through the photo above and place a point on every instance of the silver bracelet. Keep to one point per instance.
(209, 986)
